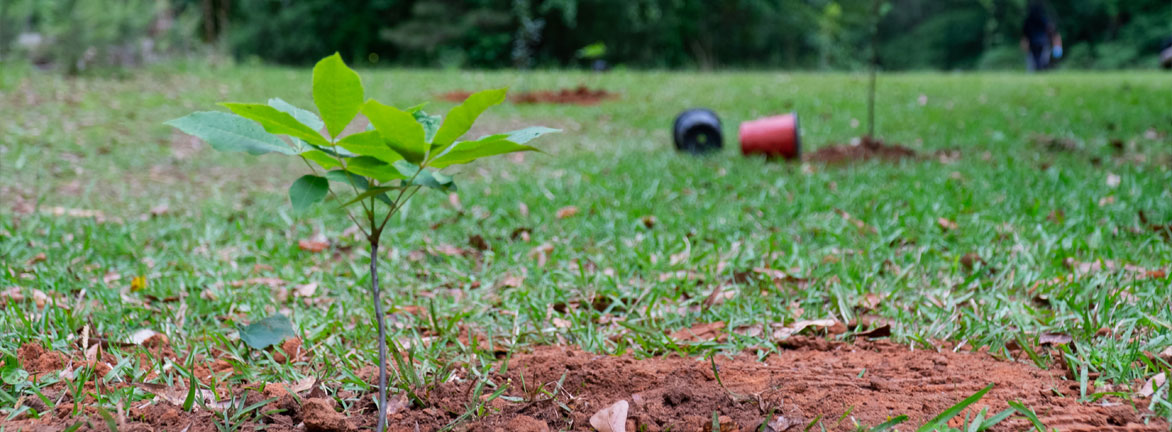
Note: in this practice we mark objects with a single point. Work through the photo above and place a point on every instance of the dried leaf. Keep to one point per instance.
(541, 253)
(699, 332)
(454, 200)
(679, 257)
(862, 226)
(177, 395)
(649, 221)
(1112, 180)
(799, 326)
(138, 283)
(36, 259)
(1152, 384)
(561, 323)
(306, 290)
(612, 418)
(1054, 339)
(523, 209)
(946, 225)
(142, 335)
(477, 242)
(566, 212)
(159, 210)
(312, 245)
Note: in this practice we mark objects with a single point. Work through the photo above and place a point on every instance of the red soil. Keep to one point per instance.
(810, 379)
(867, 149)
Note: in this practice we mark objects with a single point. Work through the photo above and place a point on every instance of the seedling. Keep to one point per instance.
(379, 169)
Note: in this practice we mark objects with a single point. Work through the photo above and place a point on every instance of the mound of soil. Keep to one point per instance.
(581, 95)
(867, 149)
(812, 380)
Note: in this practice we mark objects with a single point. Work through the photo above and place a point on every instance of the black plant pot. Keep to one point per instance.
(697, 131)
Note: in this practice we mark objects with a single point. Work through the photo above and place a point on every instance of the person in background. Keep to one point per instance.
(1166, 54)
(1039, 39)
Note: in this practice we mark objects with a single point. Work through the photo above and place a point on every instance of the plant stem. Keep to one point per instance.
(874, 66)
(382, 336)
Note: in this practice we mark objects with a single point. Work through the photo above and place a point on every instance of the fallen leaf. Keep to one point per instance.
(1107, 200)
(177, 395)
(699, 332)
(679, 257)
(523, 209)
(870, 301)
(142, 335)
(649, 221)
(799, 326)
(521, 233)
(301, 385)
(862, 226)
(36, 259)
(1112, 180)
(568, 211)
(1152, 384)
(612, 418)
(159, 210)
(449, 250)
(541, 253)
(268, 331)
(512, 281)
(781, 424)
(138, 283)
(306, 290)
(945, 224)
(561, 323)
(477, 242)
(1054, 339)
(1166, 354)
(312, 245)
(454, 200)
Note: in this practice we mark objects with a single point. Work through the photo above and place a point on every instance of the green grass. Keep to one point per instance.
(100, 144)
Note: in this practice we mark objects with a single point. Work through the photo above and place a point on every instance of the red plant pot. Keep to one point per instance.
(772, 136)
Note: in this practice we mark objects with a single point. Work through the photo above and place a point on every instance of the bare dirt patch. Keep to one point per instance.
(867, 149)
(580, 95)
(812, 380)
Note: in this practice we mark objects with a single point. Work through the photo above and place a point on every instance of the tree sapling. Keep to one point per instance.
(379, 169)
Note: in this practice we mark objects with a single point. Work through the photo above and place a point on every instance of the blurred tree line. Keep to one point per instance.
(797, 34)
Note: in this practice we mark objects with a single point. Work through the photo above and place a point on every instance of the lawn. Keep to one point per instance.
(1029, 230)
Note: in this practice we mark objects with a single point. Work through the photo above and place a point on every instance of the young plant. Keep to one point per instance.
(377, 170)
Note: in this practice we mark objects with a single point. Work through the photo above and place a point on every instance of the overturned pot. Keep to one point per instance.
(697, 131)
(772, 136)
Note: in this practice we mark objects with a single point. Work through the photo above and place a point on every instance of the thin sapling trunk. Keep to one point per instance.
(382, 334)
(874, 67)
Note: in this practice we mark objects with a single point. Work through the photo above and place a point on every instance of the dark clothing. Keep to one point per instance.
(1037, 27)
(1037, 30)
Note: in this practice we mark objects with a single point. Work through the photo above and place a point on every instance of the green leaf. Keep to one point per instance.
(468, 151)
(369, 193)
(306, 117)
(1000, 417)
(230, 133)
(268, 331)
(355, 180)
(308, 190)
(883, 427)
(1029, 414)
(425, 178)
(431, 124)
(321, 158)
(276, 122)
(11, 373)
(398, 128)
(371, 167)
(461, 118)
(337, 92)
(522, 136)
(370, 144)
(948, 414)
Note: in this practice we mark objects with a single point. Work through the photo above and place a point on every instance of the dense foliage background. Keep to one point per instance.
(806, 34)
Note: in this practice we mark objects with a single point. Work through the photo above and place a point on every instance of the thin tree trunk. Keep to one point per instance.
(874, 67)
(382, 337)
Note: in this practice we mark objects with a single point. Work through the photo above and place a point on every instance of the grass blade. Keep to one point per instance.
(943, 418)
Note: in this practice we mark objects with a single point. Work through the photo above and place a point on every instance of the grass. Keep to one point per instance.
(1023, 207)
